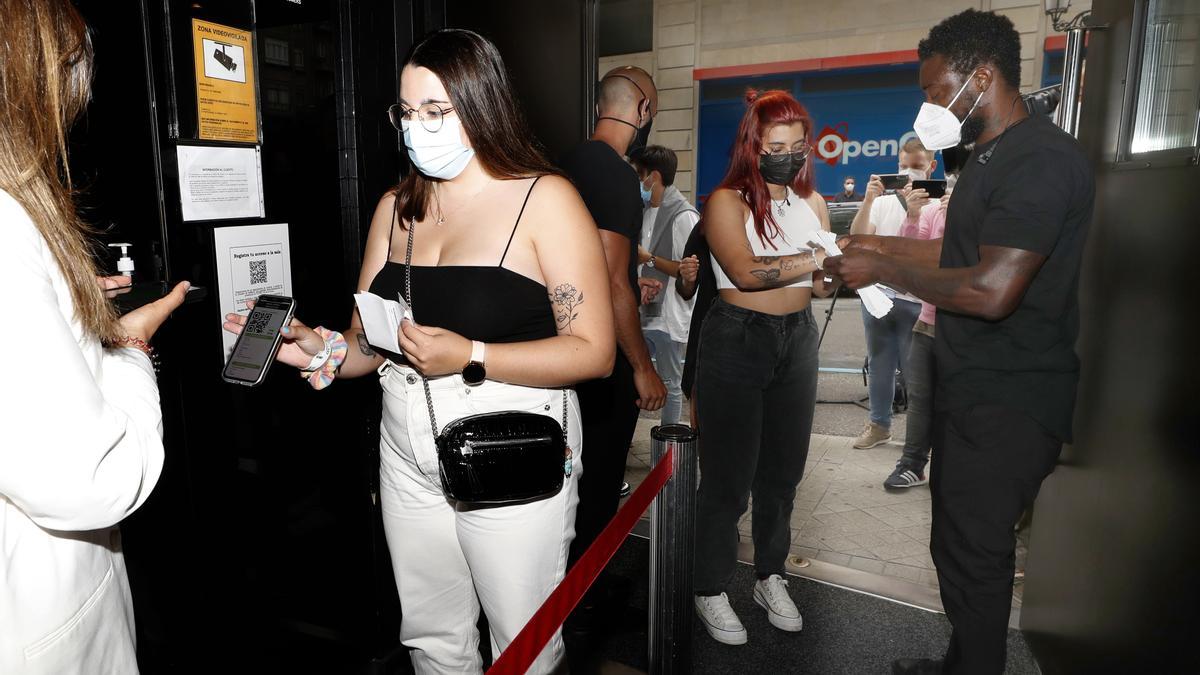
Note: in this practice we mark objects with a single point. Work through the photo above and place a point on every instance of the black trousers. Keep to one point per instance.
(610, 414)
(919, 374)
(989, 461)
(756, 388)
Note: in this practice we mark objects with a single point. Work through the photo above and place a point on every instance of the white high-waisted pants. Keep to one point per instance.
(449, 558)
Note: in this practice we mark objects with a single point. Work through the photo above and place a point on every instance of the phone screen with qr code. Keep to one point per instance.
(259, 340)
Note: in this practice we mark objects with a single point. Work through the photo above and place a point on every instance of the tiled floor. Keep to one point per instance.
(842, 514)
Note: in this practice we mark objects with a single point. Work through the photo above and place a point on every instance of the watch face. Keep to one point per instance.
(474, 373)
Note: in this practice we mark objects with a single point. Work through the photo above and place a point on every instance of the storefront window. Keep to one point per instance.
(276, 52)
(1168, 102)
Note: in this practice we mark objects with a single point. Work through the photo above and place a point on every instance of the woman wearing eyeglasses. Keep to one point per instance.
(756, 381)
(510, 298)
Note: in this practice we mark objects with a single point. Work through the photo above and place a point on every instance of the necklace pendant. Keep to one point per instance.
(779, 209)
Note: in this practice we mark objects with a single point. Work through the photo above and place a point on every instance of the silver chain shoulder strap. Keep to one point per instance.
(424, 380)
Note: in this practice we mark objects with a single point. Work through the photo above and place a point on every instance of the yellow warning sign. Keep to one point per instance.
(224, 59)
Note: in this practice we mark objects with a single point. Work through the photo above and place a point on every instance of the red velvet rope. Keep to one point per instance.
(534, 636)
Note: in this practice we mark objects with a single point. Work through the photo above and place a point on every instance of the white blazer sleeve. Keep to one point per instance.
(79, 450)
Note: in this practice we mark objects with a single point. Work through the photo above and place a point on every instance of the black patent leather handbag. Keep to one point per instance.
(501, 458)
(497, 458)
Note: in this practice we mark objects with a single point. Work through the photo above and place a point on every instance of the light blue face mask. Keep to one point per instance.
(438, 154)
(647, 193)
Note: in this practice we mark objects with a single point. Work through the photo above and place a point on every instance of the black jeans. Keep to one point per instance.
(609, 410)
(756, 387)
(989, 461)
(918, 380)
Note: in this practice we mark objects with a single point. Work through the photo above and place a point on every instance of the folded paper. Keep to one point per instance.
(381, 319)
(873, 297)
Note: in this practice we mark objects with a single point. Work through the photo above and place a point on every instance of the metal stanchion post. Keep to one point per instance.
(672, 537)
(1067, 115)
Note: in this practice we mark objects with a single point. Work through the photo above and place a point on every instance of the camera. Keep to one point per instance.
(1043, 101)
(224, 59)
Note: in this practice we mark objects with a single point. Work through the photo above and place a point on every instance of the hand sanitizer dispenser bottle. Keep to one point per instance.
(125, 263)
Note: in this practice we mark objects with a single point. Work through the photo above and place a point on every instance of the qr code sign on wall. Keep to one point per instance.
(258, 271)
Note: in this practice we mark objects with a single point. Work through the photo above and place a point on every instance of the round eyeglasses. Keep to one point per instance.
(429, 114)
(803, 149)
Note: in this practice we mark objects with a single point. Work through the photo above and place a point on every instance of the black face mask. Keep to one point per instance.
(781, 169)
(641, 137)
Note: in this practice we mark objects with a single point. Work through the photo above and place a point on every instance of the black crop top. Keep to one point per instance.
(489, 304)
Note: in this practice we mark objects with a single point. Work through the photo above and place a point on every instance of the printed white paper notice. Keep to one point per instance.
(381, 319)
(218, 183)
(252, 260)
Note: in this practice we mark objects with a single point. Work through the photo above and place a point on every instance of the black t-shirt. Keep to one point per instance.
(1034, 193)
(609, 187)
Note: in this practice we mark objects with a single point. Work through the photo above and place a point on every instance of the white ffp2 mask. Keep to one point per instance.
(438, 154)
(937, 127)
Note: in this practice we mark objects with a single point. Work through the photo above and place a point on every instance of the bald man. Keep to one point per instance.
(626, 105)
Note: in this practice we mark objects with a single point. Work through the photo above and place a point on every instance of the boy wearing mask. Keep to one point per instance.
(667, 221)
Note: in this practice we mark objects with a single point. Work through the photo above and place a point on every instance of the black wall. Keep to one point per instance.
(552, 65)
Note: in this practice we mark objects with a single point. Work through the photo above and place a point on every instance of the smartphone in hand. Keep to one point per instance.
(935, 188)
(893, 181)
(259, 340)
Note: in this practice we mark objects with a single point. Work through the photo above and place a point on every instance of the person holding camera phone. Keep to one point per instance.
(919, 373)
(510, 300)
(888, 337)
(82, 446)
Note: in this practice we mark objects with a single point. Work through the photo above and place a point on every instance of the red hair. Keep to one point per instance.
(764, 111)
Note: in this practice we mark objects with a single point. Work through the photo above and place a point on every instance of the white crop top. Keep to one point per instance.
(796, 223)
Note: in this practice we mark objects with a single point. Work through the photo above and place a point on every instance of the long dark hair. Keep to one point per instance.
(765, 110)
(474, 75)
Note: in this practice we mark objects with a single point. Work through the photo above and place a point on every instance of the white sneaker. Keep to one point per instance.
(872, 435)
(720, 620)
(771, 594)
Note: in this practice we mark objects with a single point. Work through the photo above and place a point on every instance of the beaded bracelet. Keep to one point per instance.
(336, 345)
(130, 342)
(813, 253)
